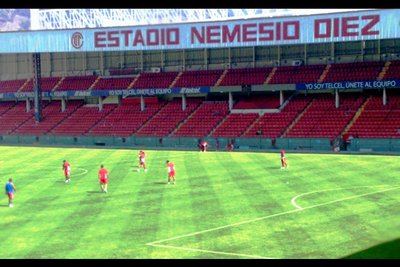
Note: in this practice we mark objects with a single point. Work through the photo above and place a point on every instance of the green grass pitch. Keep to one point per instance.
(237, 205)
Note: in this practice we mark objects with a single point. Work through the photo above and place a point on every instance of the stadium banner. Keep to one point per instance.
(323, 28)
(349, 85)
(124, 93)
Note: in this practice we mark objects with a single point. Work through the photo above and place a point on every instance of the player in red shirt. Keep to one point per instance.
(171, 172)
(284, 163)
(141, 161)
(67, 170)
(229, 147)
(204, 146)
(103, 178)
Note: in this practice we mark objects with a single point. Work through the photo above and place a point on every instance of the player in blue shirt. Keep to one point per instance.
(10, 190)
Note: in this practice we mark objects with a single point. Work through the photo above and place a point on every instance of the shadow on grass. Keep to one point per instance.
(159, 183)
(4, 206)
(388, 250)
(94, 192)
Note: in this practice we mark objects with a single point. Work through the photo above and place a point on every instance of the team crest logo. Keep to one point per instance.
(77, 40)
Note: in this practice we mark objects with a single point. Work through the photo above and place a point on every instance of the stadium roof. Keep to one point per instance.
(46, 19)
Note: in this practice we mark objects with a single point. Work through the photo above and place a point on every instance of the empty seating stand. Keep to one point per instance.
(323, 120)
(378, 120)
(112, 83)
(297, 74)
(76, 83)
(125, 119)
(155, 80)
(199, 78)
(47, 84)
(52, 115)
(14, 117)
(165, 121)
(247, 76)
(11, 86)
(204, 119)
(75, 125)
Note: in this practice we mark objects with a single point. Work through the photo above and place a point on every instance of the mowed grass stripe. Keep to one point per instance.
(305, 236)
(73, 214)
(143, 221)
(203, 202)
(141, 209)
(250, 193)
(104, 224)
(294, 242)
(41, 197)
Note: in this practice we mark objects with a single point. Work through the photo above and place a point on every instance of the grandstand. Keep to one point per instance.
(277, 92)
(323, 87)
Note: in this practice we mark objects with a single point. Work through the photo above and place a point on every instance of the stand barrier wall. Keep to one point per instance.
(191, 143)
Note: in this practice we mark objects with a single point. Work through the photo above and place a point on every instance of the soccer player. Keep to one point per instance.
(203, 146)
(284, 163)
(171, 172)
(10, 190)
(103, 178)
(67, 171)
(216, 144)
(141, 161)
(229, 147)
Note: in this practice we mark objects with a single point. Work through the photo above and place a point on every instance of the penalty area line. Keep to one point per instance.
(157, 243)
(293, 201)
(211, 251)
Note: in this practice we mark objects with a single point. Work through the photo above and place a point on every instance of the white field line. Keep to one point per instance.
(212, 251)
(81, 173)
(293, 201)
(222, 227)
(72, 175)
(156, 243)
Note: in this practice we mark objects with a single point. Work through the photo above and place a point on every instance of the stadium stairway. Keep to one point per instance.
(324, 73)
(94, 83)
(176, 79)
(221, 78)
(24, 85)
(384, 70)
(183, 121)
(296, 119)
(216, 126)
(133, 82)
(58, 84)
(270, 75)
(150, 120)
(358, 113)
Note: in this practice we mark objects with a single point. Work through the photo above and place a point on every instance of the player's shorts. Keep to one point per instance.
(103, 180)
(67, 173)
(10, 195)
(141, 162)
(171, 174)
